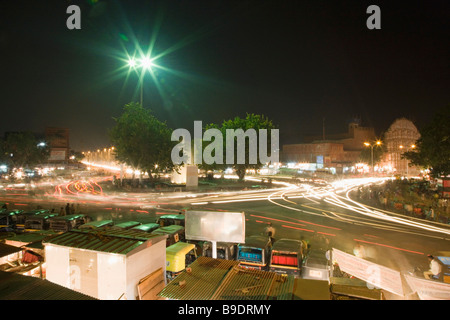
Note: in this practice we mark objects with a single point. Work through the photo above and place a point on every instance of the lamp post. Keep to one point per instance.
(413, 146)
(145, 64)
(371, 145)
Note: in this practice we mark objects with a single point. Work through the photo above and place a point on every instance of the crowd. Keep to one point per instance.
(418, 198)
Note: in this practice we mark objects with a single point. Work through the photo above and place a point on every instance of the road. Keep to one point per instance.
(325, 215)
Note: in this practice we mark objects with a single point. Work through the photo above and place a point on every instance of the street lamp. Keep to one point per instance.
(367, 144)
(146, 64)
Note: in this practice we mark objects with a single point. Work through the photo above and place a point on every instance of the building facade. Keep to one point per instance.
(401, 137)
(337, 152)
(58, 142)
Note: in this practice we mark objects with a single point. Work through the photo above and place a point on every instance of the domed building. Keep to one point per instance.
(399, 138)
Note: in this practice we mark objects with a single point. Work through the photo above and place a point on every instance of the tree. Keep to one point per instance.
(251, 121)
(433, 147)
(142, 141)
(21, 149)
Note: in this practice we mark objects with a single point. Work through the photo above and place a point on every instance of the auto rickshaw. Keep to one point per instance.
(225, 250)
(287, 256)
(175, 233)
(39, 222)
(255, 252)
(23, 215)
(102, 224)
(316, 266)
(178, 256)
(126, 225)
(8, 221)
(171, 219)
(444, 259)
(147, 227)
(67, 223)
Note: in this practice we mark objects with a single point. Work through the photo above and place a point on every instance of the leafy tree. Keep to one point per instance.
(20, 149)
(433, 147)
(251, 121)
(142, 141)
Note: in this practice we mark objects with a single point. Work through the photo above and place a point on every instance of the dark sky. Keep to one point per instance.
(296, 62)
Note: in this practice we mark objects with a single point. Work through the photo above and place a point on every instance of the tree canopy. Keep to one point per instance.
(251, 158)
(141, 140)
(20, 149)
(433, 147)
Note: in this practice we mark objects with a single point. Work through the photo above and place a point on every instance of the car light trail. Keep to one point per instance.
(375, 218)
(387, 246)
(291, 227)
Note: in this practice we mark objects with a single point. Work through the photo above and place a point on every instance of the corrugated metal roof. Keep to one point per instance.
(18, 287)
(110, 241)
(201, 282)
(250, 284)
(217, 279)
(6, 249)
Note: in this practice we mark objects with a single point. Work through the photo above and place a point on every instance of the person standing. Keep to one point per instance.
(431, 213)
(270, 232)
(67, 209)
(435, 269)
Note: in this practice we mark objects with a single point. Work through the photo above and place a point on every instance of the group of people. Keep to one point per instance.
(69, 209)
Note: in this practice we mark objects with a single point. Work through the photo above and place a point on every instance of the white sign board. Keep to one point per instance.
(372, 273)
(215, 226)
(57, 155)
(429, 289)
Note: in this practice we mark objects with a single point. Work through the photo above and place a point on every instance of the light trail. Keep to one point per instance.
(375, 218)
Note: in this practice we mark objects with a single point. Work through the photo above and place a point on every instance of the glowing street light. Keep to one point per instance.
(367, 144)
(132, 63)
(145, 63)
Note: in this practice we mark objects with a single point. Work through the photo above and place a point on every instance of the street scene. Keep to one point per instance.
(199, 151)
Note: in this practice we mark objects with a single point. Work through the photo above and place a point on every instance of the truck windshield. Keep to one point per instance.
(285, 259)
(250, 254)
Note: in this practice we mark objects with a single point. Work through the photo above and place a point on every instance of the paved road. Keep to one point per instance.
(326, 216)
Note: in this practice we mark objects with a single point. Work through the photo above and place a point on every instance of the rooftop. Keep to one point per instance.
(18, 287)
(226, 280)
(110, 241)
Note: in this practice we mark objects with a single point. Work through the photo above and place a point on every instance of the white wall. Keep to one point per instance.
(57, 262)
(111, 276)
(142, 263)
(118, 275)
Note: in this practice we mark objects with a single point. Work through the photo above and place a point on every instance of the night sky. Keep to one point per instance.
(296, 62)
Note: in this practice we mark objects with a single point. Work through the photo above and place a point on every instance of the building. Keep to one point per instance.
(339, 152)
(58, 143)
(107, 264)
(352, 140)
(313, 156)
(401, 136)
